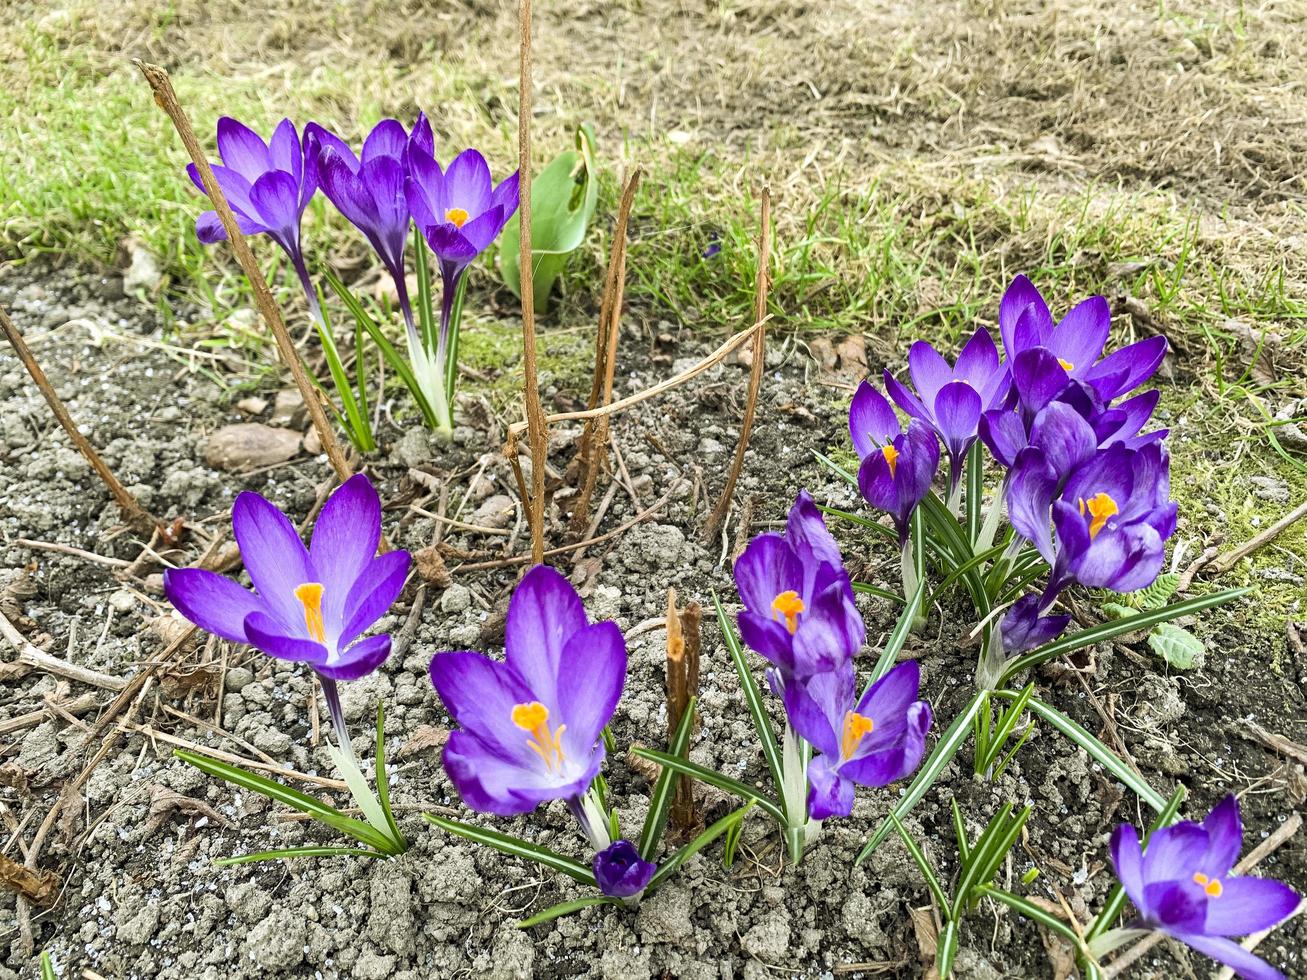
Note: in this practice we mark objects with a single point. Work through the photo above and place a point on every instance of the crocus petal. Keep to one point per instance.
(208, 229)
(345, 537)
(957, 415)
(806, 532)
(1224, 838)
(273, 554)
(1175, 906)
(1023, 628)
(1079, 337)
(876, 483)
(1128, 860)
(271, 637)
(929, 371)
(977, 364)
(1038, 378)
(1134, 414)
(766, 568)
(421, 137)
(592, 674)
(1121, 559)
(322, 139)
(211, 601)
(815, 706)
(1029, 498)
(829, 793)
(1004, 435)
(905, 399)
(242, 149)
(375, 591)
(1125, 370)
(285, 153)
(479, 694)
(467, 182)
(481, 230)
(275, 196)
(896, 760)
(1248, 905)
(918, 460)
(767, 638)
(1246, 964)
(872, 422)
(830, 631)
(1063, 436)
(1022, 301)
(542, 616)
(450, 246)
(387, 139)
(492, 784)
(1174, 853)
(507, 195)
(886, 701)
(361, 659)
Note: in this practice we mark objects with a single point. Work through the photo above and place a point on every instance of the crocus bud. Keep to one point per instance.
(620, 871)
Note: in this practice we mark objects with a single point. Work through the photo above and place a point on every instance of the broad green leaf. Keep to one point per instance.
(1178, 647)
(1156, 595)
(1116, 610)
(565, 908)
(563, 199)
(949, 744)
(507, 844)
(655, 820)
(714, 778)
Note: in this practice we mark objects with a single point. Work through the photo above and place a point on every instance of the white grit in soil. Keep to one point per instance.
(141, 897)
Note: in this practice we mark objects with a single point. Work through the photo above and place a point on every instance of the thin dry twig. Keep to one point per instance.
(1229, 560)
(136, 516)
(166, 99)
(535, 413)
(1279, 837)
(67, 549)
(155, 735)
(594, 435)
(29, 654)
(763, 281)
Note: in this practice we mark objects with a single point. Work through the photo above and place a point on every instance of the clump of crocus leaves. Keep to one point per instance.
(1083, 481)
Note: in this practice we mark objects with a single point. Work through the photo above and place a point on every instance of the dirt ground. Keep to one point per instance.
(961, 108)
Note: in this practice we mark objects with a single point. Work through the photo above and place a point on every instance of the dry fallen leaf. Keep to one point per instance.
(38, 887)
(423, 737)
(165, 801)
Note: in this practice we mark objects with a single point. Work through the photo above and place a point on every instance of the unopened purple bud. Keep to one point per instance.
(621, 872)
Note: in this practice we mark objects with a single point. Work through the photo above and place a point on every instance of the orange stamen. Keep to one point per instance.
(310, 594)
(1100, 507)
(1212, 886)
(456, 216)
(789, 605)
(534, 718)
(855, 727)
(892, 457)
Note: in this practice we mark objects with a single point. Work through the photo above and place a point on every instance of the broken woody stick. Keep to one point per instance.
(535, 413)
(682, 685)
(136, 516)
(594, 437)
(166, 99)
(718, 516)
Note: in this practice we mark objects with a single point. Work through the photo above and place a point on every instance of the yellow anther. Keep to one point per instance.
(310, 594)
(855, 727)
(892, 457)
(1066, 365)
(1100, 507)
(789, 605)
(534, 718)
(1212, 886)
(456, 216)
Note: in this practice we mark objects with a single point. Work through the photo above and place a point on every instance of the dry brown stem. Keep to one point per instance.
(166, 99)
(535, 413)
(761, 285)
(136, 516)
(682, 684)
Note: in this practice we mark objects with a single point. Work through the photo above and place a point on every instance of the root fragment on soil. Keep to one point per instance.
(41, 660)
(1228, 561)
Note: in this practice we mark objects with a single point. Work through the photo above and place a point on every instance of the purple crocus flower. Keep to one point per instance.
(1182, 886)
(368, 189)
(1075, 343)
(459, 212)
(621, 872)
(897, 466)
(870, 741)
(529, 725)
(951, 399)
(798, 604)
(268, 186)
(310, 604)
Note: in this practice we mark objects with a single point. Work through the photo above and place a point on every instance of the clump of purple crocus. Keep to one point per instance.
(310, 604)
(1182, 885)
(800, 615)
(620, 871)
(897, 464)
(529, 725)
(268, 186)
